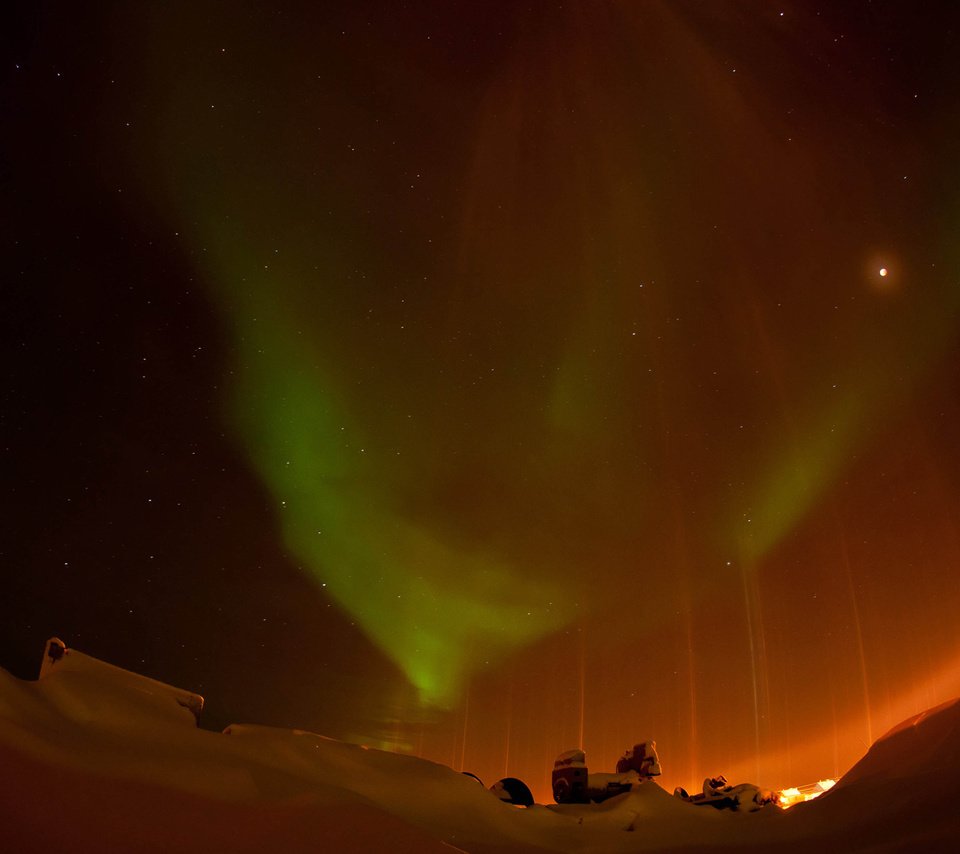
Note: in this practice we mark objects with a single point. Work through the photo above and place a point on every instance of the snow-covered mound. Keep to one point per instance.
(899, 797)
(95, 759)
(928, 743)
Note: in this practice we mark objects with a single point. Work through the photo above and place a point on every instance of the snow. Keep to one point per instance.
(93, 758)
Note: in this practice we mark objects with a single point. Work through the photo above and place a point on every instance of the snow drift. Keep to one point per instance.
(96, 759)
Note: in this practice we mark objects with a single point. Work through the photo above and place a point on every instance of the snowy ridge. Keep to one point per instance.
(923, 744)
(93, 758)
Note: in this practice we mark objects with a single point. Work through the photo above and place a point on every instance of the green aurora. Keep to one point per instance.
(458, 526)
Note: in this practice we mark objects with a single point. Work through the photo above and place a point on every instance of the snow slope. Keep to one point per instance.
(95, 759)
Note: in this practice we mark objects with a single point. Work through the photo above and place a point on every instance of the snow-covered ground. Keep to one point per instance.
(96, 759)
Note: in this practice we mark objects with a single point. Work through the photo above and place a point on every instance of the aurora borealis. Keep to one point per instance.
(487, 379)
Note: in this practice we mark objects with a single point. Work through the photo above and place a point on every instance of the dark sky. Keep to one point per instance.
(484, 379)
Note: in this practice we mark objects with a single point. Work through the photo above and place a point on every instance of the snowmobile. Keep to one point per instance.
(574, 784)
(719, 794)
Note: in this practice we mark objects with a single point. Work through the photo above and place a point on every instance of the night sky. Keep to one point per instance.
(486, 379)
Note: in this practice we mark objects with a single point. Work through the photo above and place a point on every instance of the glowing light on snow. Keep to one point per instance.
(798, 794)
(789, 797)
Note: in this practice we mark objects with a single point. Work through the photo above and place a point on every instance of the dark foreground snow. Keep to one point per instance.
(93, 759)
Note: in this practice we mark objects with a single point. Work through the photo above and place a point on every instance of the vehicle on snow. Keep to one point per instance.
(719, 794)
(574, 784)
